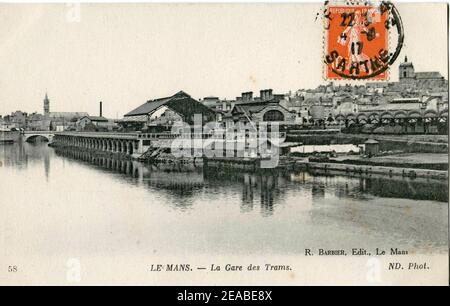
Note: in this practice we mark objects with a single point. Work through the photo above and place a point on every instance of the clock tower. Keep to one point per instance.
(46, 106)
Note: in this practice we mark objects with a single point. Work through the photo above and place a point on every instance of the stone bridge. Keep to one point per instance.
(29, 136)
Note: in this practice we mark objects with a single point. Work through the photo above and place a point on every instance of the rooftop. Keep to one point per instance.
(97, 118)
(181, 103)
(428, 75)
(69, 115)
(393, 107)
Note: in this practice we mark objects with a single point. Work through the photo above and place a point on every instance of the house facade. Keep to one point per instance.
(93, 122)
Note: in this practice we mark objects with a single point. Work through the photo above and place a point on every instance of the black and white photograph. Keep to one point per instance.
(224, 144)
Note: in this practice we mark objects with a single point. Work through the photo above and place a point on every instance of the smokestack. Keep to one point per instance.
(101, 109)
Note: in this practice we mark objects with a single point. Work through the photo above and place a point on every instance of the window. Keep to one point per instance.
(404, 74)
(273, 115)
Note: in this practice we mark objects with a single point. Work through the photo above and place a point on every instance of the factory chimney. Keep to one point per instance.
(101, 109)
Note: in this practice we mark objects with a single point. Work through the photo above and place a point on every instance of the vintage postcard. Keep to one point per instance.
(301, 143)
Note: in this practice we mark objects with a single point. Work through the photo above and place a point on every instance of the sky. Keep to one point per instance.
(126, 54)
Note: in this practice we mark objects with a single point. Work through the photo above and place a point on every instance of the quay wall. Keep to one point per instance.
(368, 170)
(347, 169)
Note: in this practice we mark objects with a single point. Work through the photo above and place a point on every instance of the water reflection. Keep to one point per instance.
(209, 209)
(264, 188)
(257, 188)
(360, 187)
(19, 155)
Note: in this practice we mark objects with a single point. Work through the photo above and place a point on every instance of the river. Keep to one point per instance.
(72, 202)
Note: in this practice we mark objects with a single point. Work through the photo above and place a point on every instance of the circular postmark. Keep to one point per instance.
(357, 39)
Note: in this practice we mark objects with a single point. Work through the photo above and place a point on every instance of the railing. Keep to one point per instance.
(209, 135)
(114, 135)
(155, 136)
(39, 132)
(175, 135)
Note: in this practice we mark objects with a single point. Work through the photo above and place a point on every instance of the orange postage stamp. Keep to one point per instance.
(357, 40)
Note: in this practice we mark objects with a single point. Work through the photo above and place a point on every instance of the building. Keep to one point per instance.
(399, 104)
(18, 119)
(371, 147)
(55, 121)
(296, 106)
(411, 83)
(421, 80)
(225, 105)
(160, 114)
(38, 122)
(93, 123)
(60, 121)
(265, 108)
(210, 102)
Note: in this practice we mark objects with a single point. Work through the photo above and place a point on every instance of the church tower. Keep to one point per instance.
(46, 105)
(406, 71)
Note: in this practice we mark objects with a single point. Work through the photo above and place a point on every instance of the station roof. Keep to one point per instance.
(392, 107)
(181, 103)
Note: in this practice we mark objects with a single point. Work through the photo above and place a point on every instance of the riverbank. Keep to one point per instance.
(423, 165)
(368, 170)
(430, 161)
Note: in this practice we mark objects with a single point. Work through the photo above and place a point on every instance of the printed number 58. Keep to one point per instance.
(12, 269)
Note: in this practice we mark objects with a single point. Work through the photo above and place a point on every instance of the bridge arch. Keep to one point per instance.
(33, 138)
(414, 114)
(430, 116)
(340, 118)
(400, 114)
(361, 117)
(430, 113)
(350, 116)
(387, 115)
(444, 113)
(373, 117)
(130, 148)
